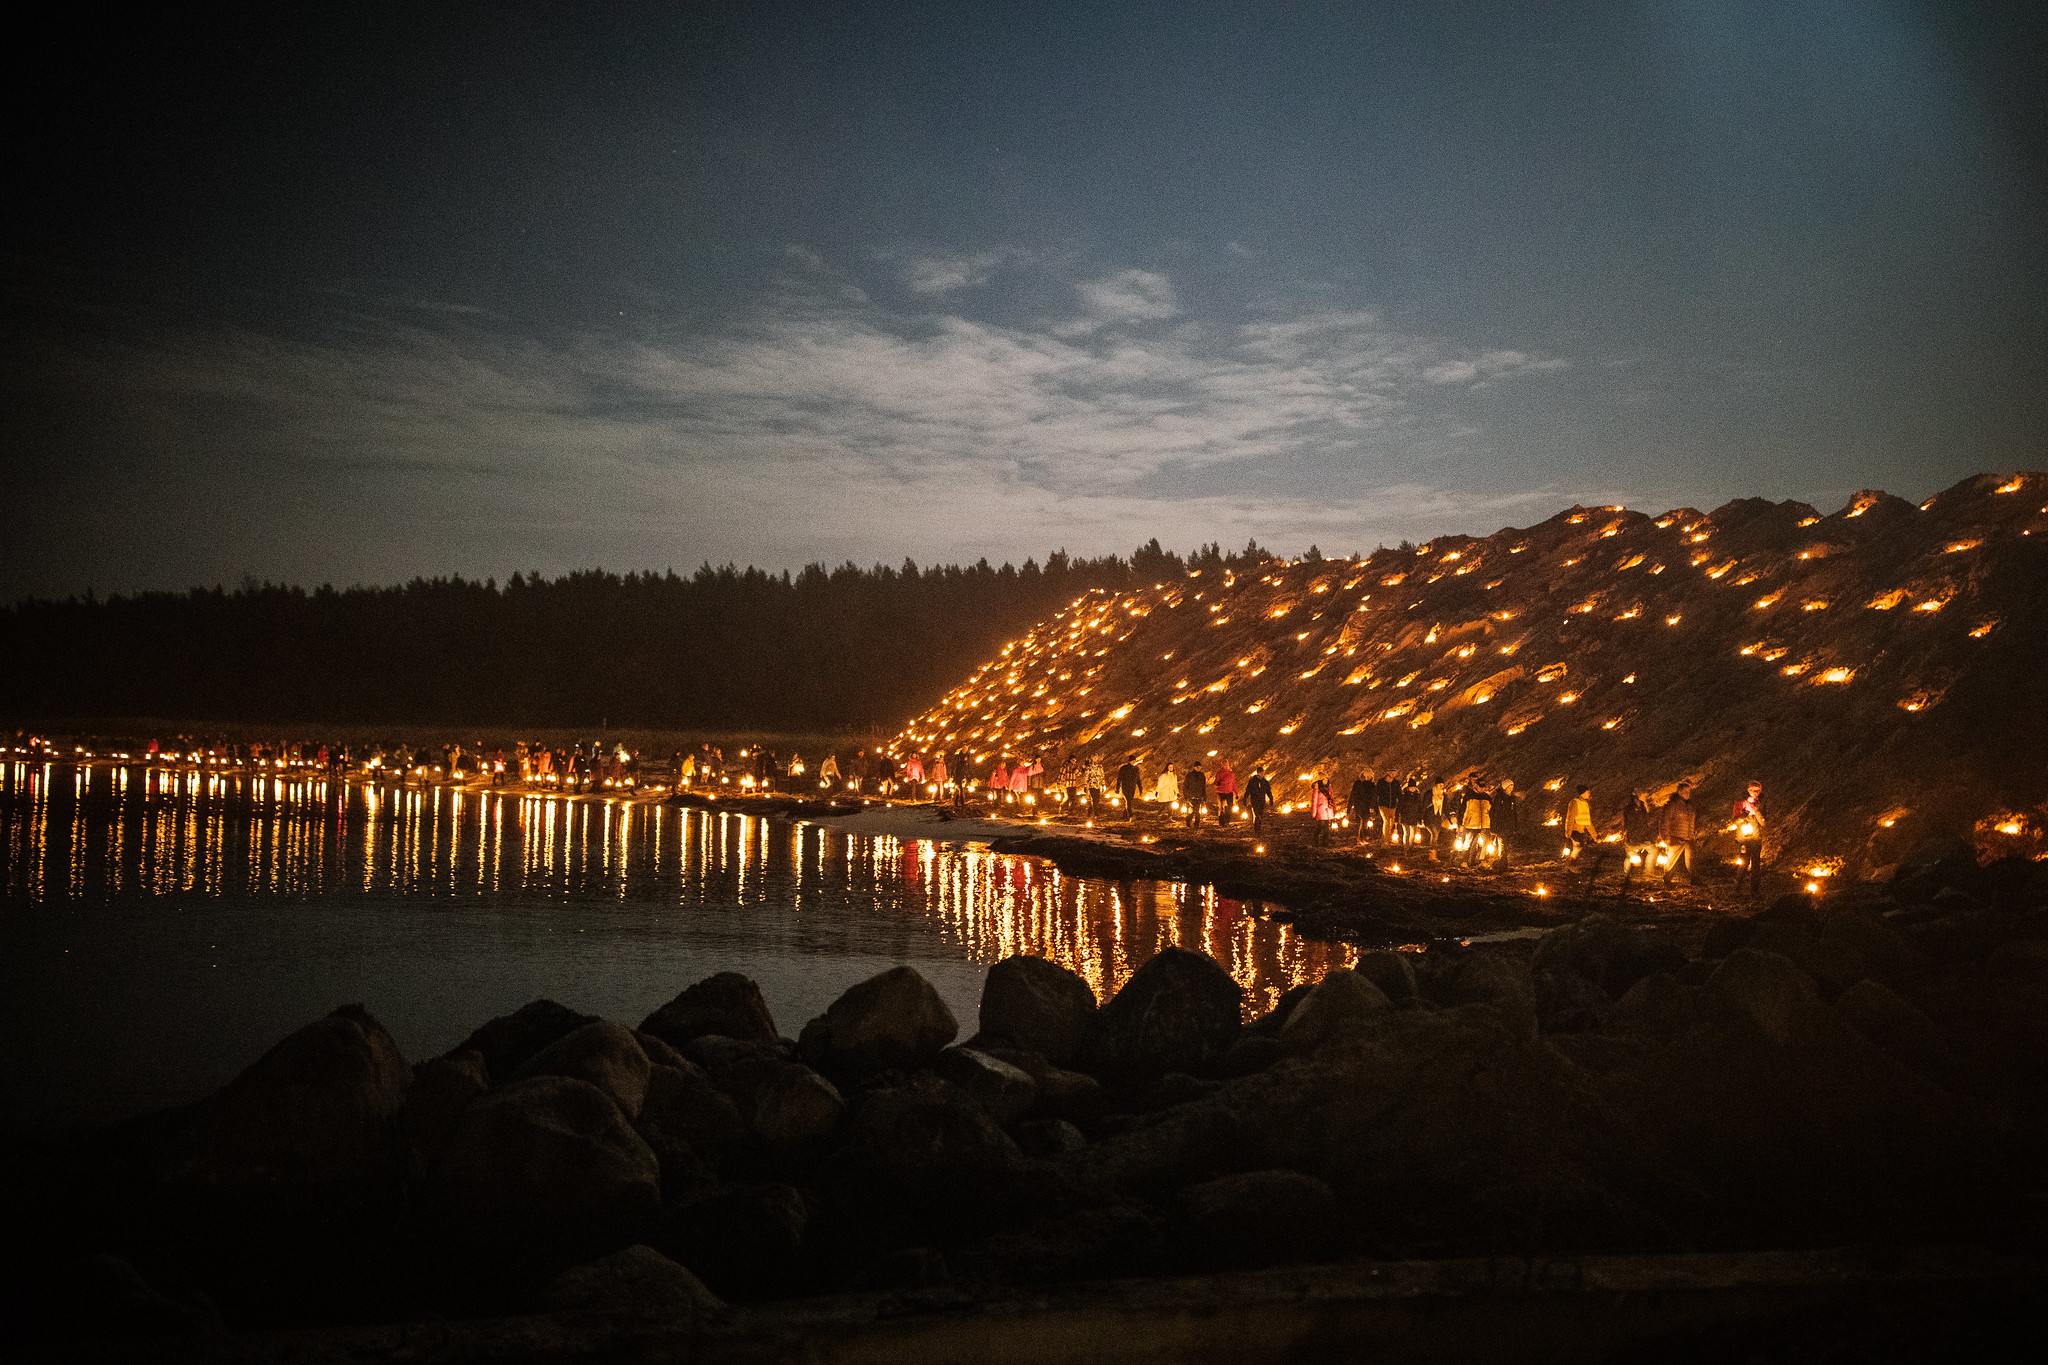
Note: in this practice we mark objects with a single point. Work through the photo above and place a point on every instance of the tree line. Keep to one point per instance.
(721, 649)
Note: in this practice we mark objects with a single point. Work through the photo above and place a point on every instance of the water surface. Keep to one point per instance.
(159, 929)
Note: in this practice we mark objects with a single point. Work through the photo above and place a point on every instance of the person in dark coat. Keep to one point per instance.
(1387, 805)
(1638, 837)
(1506, 818)
(1194, 789)
(1128, 780)
(1364, 801)
(1258, 794)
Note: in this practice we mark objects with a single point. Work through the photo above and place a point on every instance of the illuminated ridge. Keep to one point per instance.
(1882, 657)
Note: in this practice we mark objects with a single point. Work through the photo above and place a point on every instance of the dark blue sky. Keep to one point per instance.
(454, 288)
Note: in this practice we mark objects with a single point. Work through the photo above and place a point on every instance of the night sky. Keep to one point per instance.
(394, 291)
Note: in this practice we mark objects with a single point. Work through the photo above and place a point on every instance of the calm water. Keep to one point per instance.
(162, 929)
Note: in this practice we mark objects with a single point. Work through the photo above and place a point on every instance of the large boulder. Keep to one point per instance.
(1005, 1091)
(727, 1004)
(745, 1242)
(441, 1089)
(605, 1054)
(509, 1040)
(1030, 1002)
(1832, 964)
(548, 1148)
(1611, 956)
(317, 1109)
(786, 1105)
(1392, 972)
(1764, 989)
(1884, 953)
(1255, 1218)
(1488, 978)
(683, 1103)
(1444, 1119)
(1935, 863)
(1180, 1011)
(637, 1282)
(1657, 1004)
(894, 1020)
(1898, 1026)
(1340, 998)
(922, 1165)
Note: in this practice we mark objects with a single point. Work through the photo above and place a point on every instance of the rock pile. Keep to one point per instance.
(1870, 1066)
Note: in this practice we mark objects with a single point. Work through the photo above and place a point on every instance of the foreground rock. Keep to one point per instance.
(508, 1041)
(893, 1020)
(726, 1004)
(1039, 1006)
(549, 1148)
(317, 1109)
(1180, 1011)
(603, 1053)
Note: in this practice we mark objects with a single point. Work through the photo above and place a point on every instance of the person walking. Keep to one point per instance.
(1194, 789)
(1749, 834)
(1363, 802)
(1258, 794)
(1226, 793)
(1098, 782)
(1322, 808)
(1507, 817)
(1128, 782)
(1678, 823)
(958, 770)
(1166, 790)
(1477, 820)
(1638, 837)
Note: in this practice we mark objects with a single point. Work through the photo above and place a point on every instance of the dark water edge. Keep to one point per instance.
(159, 930)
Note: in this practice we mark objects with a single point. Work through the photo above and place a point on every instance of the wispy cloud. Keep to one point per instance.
(827, 426)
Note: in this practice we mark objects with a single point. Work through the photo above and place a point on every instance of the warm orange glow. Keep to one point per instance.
(2013, 487)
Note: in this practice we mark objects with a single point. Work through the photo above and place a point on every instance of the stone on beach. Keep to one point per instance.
(636, 1282)
(726, 1003)
(1004, 1091)
(1030, 1002)
(1341, 997)
(1180, 1011)
(549, 1147)
(509, 1040)
(315, 1109)
(894, 1020)
(605, 1054)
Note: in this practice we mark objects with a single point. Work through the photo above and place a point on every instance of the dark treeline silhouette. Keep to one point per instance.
(725, 648)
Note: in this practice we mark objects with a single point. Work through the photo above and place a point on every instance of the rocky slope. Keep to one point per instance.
(1880, 668)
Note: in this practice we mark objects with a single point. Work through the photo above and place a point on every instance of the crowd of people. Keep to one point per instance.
(1476, 821)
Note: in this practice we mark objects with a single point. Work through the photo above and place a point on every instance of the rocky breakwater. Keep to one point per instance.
(1863, 1068)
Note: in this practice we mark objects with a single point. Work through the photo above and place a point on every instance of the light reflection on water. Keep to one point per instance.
(162, 928)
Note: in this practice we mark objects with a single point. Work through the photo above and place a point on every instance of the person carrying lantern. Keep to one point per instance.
(1679, 827)
(1128, 782)
(1322, 808)
(1258, 794)
(1226, 793)
(1749, 834)
(1477, 820)
(1363, 802)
